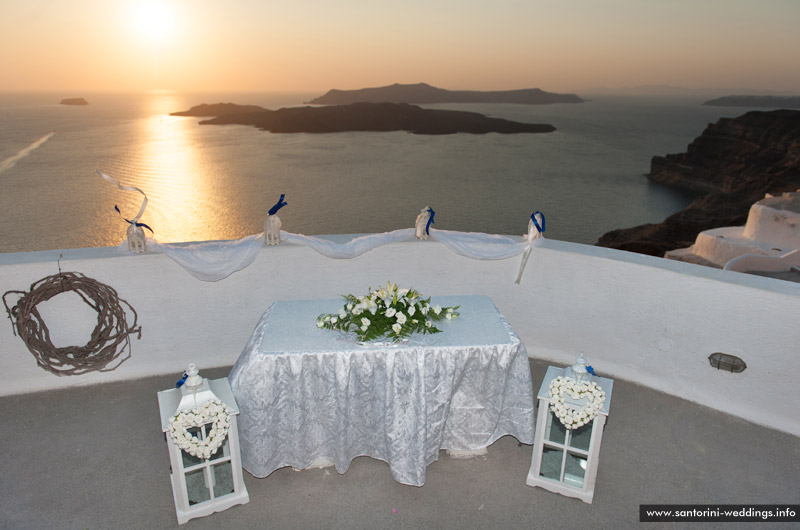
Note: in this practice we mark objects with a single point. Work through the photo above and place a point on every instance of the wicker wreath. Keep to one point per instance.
(110, 338)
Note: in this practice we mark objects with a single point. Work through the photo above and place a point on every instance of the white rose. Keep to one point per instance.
(411, 310)
(365, 322)
(334, 320)
(320, 323)
(342, 313)
(401, 318)
(396, 327)
(390, 312)
(449, 316)
(428, 323)
(437, 309)
(364, 328)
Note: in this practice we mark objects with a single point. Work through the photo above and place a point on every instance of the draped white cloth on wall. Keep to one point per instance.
(352, 248)
(476, 245)
(214, 260)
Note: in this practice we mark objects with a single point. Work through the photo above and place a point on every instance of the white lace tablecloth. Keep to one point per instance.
(306, 393)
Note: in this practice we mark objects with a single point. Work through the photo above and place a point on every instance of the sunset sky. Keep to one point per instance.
(315, 45)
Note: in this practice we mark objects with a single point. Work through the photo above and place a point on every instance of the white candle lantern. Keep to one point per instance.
(566, 451)
(137, 242)
(272, 225)
(423, 223)
(199, 420)
(272, 230)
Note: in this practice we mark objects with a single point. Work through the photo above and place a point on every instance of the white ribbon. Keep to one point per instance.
(127, 188)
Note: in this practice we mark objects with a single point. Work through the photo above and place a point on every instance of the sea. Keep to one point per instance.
(208, 182)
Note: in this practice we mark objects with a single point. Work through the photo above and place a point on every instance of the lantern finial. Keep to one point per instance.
(193, 379)
(578, 371)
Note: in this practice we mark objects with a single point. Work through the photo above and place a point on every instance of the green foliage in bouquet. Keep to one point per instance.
(387, 312)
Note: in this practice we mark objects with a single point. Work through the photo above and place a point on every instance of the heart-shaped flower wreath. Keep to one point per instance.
(571, 416)
(214, 412)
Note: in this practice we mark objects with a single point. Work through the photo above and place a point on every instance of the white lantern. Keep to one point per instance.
(199, 420)
(423, 222)
(566, 446)
(272, 224)
(272, 230)
(137, 242)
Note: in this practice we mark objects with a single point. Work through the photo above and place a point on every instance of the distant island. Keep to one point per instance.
(775, 102)
(422, 93)
(733, 164)
(374, 117)
(219, 109)
(74, 101)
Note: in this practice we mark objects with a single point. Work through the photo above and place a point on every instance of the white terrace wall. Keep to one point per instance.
(648, 320)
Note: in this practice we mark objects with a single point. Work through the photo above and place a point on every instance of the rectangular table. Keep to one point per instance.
(306, 393)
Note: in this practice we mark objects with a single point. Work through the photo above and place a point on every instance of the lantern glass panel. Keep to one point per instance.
(196, 486)
(551, 463)
(556, 432)
(223, 479)
(223, 451)
(191, 460)
(581, 437)
(575, 469)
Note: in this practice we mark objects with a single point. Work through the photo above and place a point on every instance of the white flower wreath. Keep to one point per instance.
(214, 412)
(570, 416)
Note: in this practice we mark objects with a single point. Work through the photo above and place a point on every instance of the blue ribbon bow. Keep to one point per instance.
(181, 380)
(278, 205)
(536, 223)
(590, 369)
(133, 222)
(430, 222)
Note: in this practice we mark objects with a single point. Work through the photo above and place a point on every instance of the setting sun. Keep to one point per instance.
(154, 22)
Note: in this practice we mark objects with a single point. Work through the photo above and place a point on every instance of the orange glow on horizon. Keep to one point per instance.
(250, 46)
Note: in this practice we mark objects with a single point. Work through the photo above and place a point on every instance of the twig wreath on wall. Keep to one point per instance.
(110, 338)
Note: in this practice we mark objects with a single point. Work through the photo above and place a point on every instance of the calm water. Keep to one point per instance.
(217, 182)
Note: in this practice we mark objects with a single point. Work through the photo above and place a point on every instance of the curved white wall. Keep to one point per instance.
(643, 319)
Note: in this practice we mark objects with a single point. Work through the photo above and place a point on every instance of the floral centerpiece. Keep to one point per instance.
(574, 417)
(214, 412)
(387, 312)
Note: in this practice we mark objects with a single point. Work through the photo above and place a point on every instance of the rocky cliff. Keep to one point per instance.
(734, 162)
(422, 93)
(774, 102)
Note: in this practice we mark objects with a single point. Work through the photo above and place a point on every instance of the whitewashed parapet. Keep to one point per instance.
(639, 318)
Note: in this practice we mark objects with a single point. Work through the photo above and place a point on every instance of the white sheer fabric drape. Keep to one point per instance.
(214, 260)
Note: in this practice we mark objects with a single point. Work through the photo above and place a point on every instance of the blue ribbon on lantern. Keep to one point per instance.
(590, 369)
(181, 381)
(278, 205)
(137, 223)
(430, 221)
(536, 223)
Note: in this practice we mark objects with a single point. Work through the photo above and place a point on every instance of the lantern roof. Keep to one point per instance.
(177, 399)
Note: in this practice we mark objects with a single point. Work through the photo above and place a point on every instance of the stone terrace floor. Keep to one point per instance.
(95, 458)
